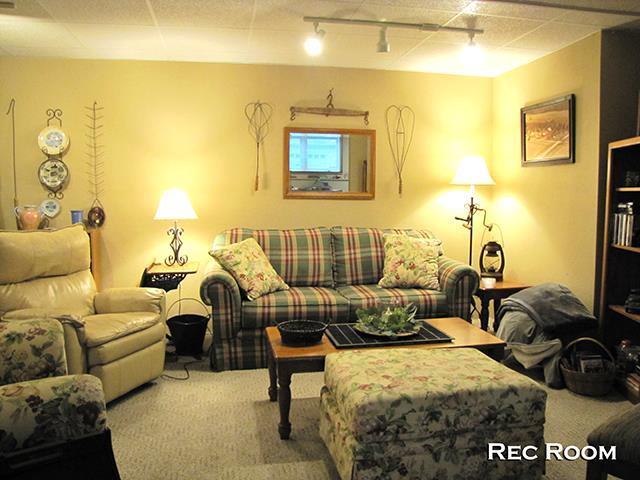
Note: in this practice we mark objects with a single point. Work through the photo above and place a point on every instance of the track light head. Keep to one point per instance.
(313, 45)
(472, 54)
(383, 44)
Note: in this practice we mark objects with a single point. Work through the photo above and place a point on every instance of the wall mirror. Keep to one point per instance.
(329, 163)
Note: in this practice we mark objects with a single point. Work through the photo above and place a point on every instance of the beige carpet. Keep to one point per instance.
(222, 426)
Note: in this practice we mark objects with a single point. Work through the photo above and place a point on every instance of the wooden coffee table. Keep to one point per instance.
(284, 361)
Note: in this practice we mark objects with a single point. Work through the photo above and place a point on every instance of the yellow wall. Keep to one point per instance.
(548, 213)
(182, 125)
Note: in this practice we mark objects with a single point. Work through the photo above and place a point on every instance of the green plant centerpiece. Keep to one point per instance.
(388, 320)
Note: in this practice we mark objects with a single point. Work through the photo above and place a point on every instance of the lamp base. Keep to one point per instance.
(176, 242)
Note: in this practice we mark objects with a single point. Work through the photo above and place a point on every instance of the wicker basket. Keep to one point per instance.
(592, 384)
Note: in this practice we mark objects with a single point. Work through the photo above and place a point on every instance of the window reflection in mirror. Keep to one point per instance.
(329, 163)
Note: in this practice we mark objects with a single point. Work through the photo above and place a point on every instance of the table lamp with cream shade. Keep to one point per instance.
(175, 205)
(472, 171)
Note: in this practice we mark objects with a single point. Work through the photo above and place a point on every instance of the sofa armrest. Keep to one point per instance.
(31, 349)
(459, 281)
(124, 300)
(220, 290)
(51, 410)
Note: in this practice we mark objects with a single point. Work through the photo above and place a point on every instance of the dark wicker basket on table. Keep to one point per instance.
(594, 384)
(299, 333)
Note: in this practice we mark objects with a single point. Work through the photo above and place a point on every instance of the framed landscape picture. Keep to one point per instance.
(548, 132)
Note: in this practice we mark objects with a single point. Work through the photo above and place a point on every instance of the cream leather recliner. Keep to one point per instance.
(117, 334)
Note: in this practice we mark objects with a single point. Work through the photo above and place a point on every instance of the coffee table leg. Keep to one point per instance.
(284, 401)
(273, 377)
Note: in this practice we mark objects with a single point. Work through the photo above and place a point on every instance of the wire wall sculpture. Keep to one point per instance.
(258, 114)
(400, 121)
(12, 110)
(95, 165)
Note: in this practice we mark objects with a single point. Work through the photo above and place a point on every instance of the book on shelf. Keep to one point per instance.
(632, 383)
(625, 227)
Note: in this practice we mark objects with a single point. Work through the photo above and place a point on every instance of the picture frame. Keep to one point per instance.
(547, 132)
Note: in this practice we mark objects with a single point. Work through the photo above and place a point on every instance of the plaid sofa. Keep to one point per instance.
(332, 272)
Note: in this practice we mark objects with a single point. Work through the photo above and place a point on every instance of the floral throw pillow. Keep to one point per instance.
(410, 262)
(250, 267)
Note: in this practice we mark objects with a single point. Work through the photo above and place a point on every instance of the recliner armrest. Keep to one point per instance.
(459, 281)
(134, 299)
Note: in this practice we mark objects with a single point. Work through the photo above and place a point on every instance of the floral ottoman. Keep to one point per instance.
(428, 414)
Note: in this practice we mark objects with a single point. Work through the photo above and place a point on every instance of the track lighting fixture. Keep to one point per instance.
(383, 44)
(313, 45)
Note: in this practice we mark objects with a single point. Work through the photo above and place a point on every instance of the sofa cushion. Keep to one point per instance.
(302, 257)
(123, 346)
(309, 303)
(401, 394)
(103, 328)
(430, 303)
(359, 253)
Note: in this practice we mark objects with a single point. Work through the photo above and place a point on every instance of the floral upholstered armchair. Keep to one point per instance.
(51, 423)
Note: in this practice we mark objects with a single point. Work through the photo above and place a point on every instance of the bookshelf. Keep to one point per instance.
(620, 263)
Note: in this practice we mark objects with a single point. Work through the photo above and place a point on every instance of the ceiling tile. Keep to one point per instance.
(287, 15)
(630, 5)
(130, 54)
(113, 12)
(26, 8)
(449, 5)
(116, 36)
(497, 30)
(599, 19)
(28, 33)
(203, 13)
(514, 11)
(553, 36)
(503, 59)
(190, 40)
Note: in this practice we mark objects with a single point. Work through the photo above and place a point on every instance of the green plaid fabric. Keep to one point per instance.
(430, 303)
(308, 303)
(247, 350)
(359, 253)
(459, 281)
(302, 257)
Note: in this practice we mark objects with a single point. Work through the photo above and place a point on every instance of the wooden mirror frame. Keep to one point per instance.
(369, 195)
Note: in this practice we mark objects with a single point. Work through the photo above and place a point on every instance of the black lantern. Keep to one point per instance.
(492, 260)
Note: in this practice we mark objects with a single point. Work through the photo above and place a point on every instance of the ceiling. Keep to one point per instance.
(272, 31)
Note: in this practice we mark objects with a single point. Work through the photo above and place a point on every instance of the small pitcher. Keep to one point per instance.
(30, 217)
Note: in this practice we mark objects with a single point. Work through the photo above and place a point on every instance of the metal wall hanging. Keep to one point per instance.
(12, 110)
(258, 114)
(95, 165)
(53, 141)
(400, 121)
(330, 111)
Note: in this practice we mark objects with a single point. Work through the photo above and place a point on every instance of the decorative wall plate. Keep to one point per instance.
(53, 140)
(53, 173)
(50, 207)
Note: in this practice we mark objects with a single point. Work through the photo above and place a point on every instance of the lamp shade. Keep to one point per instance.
(472, 171)
(175, 205)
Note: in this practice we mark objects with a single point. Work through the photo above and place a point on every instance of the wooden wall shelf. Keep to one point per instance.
(628, 249)
(619, 309)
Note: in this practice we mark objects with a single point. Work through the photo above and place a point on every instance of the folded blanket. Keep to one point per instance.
(553, 307)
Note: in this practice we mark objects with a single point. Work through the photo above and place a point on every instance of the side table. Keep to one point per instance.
(159, 275)
(501, 291)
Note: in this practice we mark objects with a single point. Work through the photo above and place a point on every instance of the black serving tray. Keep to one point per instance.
(343, 335)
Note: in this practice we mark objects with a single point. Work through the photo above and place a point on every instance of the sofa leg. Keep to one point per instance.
(596, 470)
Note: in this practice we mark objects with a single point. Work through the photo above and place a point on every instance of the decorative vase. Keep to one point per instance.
(30, 217)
